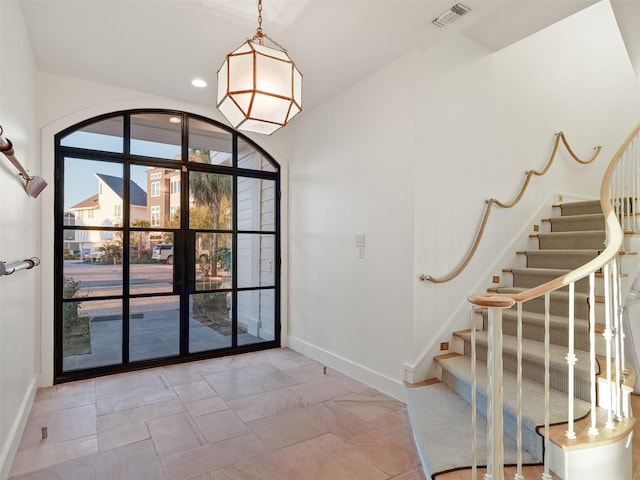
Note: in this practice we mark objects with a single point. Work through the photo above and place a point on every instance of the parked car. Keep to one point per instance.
(163, 252)
(92, 255)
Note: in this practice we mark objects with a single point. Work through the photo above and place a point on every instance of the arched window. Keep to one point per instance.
(167, 243)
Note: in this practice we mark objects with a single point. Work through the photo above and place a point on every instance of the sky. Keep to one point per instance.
(80, 181)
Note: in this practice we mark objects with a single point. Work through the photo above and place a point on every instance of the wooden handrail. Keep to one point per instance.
(560, 137)
(615, 239)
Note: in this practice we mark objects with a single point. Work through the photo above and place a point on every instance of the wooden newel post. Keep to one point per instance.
(495, 401)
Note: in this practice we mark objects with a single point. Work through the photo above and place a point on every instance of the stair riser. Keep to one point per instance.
(580, 208)
(524, 279)
(534, 330)
(558, 305)
(558, 333)
(579, 241)
(577, 223)
(558, 260)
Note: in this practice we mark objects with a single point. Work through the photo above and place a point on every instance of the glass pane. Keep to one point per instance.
(209, 143)
(105, 135)
(93, 192)
(151, 262)
(91, 334)
(213, 272)
(210, 201)
(209, 321)
(256, 316)
(156, 135)
(161, 247)
(249, 157)
(92, 263)
(256, 204)
(256, 260)
(157, 204)
(154, 328)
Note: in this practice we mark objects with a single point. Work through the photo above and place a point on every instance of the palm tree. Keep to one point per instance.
(140, 223)
(208, 190)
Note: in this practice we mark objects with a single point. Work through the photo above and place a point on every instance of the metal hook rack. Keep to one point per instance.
(33, 184)
(26, 264)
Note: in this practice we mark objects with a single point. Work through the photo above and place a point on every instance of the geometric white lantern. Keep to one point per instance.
(259, 88)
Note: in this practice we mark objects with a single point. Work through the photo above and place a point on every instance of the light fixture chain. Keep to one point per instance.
(259, 33)
(274, 42)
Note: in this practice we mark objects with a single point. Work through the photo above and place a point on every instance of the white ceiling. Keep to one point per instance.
(159, 46)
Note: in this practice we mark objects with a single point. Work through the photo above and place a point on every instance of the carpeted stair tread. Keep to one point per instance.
(535, 351)
(559, 259)
(588, 239)
(533, 327)
(456, 373)
(581, 207)
(533, 367)
(532, 277)
(572, 223)
(443, 434)
(533, 392)
(559, 302)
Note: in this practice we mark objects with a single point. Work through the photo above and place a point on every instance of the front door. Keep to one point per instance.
(167, 243)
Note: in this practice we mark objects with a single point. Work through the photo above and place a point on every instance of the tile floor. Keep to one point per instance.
(269, 415)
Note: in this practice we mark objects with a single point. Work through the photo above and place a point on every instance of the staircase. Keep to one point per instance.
(573, 238)
(540, 379)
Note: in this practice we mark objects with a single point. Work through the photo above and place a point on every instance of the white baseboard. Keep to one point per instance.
(387, 385)
(10, 448)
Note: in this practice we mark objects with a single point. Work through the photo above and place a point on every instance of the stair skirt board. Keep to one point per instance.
(453, 423)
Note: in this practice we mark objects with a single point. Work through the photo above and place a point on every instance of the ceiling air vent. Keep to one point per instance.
(451, 15)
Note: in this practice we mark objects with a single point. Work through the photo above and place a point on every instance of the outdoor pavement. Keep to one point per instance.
(154, 323)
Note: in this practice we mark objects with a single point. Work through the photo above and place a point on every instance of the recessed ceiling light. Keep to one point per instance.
(198, 82)
(175, 119)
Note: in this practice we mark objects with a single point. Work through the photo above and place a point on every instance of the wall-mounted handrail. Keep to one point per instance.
(492, 201)
(23, 265)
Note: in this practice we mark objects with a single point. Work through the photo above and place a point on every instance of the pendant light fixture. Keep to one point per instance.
(259, 87)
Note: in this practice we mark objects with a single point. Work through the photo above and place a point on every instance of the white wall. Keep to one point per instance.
(352, 173)
(493, 117)
(19, 235)
(409, 158)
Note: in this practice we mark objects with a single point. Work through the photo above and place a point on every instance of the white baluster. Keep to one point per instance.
(518, 475)
(571, 361)
(608, 336)
(474, 415)
(593, 429)
(547, 404)
(615, 303)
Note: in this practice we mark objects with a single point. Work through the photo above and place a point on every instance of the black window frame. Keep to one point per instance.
(129, 160)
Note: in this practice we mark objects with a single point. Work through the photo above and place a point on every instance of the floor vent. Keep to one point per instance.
(451, 15)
